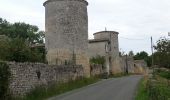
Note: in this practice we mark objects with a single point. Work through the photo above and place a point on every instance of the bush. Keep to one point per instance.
(4, 81)
(154, 89)
(163, 73)
(158, 90)
(97, 60)
(19, 50)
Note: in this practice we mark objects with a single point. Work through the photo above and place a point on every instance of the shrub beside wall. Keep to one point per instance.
(4, 81)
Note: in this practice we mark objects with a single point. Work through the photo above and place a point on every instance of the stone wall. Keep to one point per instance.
(97, 48)
(127, 64)
(27, 76)
(133, 66)
(140, 66)
(96, 70)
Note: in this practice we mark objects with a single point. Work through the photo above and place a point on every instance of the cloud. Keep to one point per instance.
(23, 11)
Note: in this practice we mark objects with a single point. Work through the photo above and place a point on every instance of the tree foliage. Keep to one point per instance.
(18, 50)
(162, 54)
(20, 38)
(131, 53)
(4, 47)
(28, 32)
(143, 56)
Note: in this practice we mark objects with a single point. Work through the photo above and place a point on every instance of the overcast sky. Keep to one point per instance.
(135, 20)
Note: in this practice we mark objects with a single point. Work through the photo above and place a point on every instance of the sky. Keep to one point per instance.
(135, 20)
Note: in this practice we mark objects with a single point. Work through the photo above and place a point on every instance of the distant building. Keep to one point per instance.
(105, 43)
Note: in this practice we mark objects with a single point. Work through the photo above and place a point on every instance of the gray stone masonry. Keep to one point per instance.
(27, 76)
(106, 44)
(96, 70)
(66, 32)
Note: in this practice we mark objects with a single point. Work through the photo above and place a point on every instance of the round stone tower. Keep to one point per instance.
(66, 28)
(113, 54)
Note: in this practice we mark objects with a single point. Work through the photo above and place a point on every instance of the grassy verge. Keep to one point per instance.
(142, 91)
(42, 93)
(163, 73)
(157, 88)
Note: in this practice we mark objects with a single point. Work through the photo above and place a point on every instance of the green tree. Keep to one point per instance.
(162, 54)
(18, 46)
(4, 27)
(19, 50)
(28, 32)
(4, 47)
(131, 53)
(38, 54)
(143, 56)
(163, 45)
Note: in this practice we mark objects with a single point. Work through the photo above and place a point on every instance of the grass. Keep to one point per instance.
(157, 88)
(142, 91)
(42, 93)
(164, 74)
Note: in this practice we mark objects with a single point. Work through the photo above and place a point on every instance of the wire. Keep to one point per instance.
(132, 38)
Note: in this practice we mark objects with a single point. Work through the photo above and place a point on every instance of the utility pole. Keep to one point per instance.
(152, 51)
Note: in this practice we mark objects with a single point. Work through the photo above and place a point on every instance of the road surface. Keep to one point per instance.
(111, 89)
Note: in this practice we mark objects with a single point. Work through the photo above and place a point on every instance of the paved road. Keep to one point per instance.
(111, 89)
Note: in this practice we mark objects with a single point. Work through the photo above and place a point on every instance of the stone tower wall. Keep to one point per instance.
(114, 53)
(102, 35)
(67, 32)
